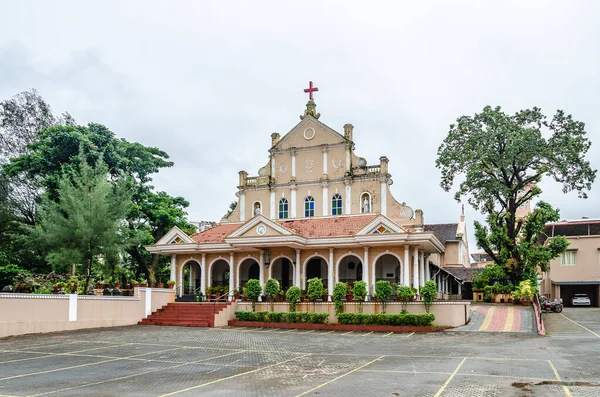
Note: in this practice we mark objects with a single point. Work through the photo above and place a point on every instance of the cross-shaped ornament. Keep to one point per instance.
(310, 90)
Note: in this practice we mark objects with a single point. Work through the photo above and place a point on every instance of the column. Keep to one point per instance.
(173, 266)
(460, 289)
(203, 277)
(325, 161)
(273, 166)
(366, 269)
(180, 281)
(348, 197)
(242, 205)
(231, 275)
(421, 268)
(427, 275)
(191, 281)
(383, 197)
(272, 205)
(297, 270)
(416, 268)
(325, 197)
(405, 266)
(292, 201)
(293, 163)
(330, 268)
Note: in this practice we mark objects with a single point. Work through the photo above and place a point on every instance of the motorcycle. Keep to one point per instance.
(555, 306)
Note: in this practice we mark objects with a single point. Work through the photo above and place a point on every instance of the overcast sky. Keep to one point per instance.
(208, 82)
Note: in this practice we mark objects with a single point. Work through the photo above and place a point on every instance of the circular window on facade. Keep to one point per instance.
(261, 229)
(309, 134)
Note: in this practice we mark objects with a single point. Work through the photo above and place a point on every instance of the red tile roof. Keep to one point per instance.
(338, 226)
(215, 234)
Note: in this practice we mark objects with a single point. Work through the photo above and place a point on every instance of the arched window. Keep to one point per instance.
(309, 206)
(283, 208)
(336, 204)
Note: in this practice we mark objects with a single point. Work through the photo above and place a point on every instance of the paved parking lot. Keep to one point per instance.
(164, 361)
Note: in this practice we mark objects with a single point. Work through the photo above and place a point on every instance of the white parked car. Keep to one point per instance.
(581, 300)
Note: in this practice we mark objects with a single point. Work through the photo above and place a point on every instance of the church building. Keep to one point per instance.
(317, 209)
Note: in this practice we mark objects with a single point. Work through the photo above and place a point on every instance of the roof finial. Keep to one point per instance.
(310, 106)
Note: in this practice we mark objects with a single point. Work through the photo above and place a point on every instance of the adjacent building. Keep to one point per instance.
(576, 271)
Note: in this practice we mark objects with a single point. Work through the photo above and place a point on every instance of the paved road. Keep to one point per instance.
(493, 317)
(163, 361)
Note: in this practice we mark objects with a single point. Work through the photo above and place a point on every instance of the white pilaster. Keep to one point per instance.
(416, 268)
(231, 274)
(325, 198)
(261, 266)
(173, 266)
(405, 268)
(421, 268)
(203, 276)
(242, 205)
(330, 274)
(293, 163)
(148, 303)
(366, 269)
(347, 158)
(324, 160)
(292, 201)
(297, 269)
(348, 199)
(427, 275)
(72, 307)
(273, 207)
(181, 281)
(383, 198)
(273, 166)
(191, 280)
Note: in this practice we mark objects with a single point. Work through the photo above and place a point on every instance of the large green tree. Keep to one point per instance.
(85, 222)
(152, 214)
(499, 159)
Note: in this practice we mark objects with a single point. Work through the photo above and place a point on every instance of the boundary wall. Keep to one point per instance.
(35, 313)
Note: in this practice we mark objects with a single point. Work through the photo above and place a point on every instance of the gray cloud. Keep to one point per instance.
(209, 82)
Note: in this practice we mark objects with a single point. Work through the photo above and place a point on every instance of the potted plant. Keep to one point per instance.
(171, 284)
(210, 291)
(525, 292)
(160, 285)
(236, 293)
(302, 295)
(325, 295)
(487, 293)
(348, 293)
(134, 284)
(143, 283)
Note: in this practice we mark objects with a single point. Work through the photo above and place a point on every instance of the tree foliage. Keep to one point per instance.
(339, 293)
(428, 293)
(502, 158)
(292, 296)
(272, 290)
(405, 293)
(359, 292)
(253, 290)
(383, 290)
(86, 222)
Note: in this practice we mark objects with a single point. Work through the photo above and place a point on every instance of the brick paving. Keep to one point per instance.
(181, 361)
(500, 318)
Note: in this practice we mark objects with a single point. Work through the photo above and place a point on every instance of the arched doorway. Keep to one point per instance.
(192, 277)
(249, 269)
(283, 271)
(387, 267)
(220, 273)
(350, 269)
(316, 267)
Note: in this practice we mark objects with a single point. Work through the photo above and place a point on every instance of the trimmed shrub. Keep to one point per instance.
(253, 290)
(404, 292)
(283, 317)
(383, 290)
(423, 320)
(339, 293)
(359, 292)
(272, 289)
(428, 294)
(292, 296)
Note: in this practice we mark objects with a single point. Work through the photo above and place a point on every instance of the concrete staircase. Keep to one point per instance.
(179, 314)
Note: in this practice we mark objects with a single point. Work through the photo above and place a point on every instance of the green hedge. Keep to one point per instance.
(282, 317)
(386, 319)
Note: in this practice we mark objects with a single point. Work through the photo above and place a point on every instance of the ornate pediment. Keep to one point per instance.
(175, 236)
(380, 225)
(260, 226)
